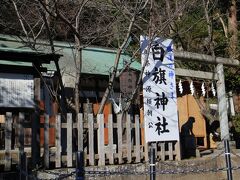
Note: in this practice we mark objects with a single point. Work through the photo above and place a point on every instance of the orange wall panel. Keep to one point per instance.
(188, 106)
(106, 111)
(199, 127)
(182, 110)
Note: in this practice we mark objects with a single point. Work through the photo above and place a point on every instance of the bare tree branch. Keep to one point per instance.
(116, 62)
(63, 105)
(57, 14)
(209, 25)
(21, 22)
(225, 29)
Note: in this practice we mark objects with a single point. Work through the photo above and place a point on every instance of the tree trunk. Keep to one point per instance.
(47, 20)
(116, 62)
(209, 27)
(232, 29)
(78, 60)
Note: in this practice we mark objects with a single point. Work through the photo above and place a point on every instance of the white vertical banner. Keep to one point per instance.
(159, 91)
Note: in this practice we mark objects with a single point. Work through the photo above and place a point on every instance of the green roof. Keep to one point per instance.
(96, 60)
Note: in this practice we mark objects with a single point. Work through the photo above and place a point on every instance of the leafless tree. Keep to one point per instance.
(102, 22)
(140, 5)
(46, 17)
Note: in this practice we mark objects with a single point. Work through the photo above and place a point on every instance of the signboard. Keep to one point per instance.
(159, 91)
(16, 90)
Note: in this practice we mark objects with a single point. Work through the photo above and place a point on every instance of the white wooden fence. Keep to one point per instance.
(124, 142)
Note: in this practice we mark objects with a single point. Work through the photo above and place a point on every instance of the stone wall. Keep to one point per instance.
(197, 169)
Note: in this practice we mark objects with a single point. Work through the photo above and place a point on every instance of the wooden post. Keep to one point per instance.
(119, 133)
(144, 143)
(90, 140)
(35, 145)
(21, 133)
(222, 103)
(153, 145)
(47, 100)
(80, 132)
(162, 144)
(69, 140)
(129, 144)
(23, 166)
(146, 158)
(110, 139)
(170, 150)
(58, 141)
(142, 126)
(137, 136)
(46, 141)
(35, 150)
(8, 140)
(178, 151)
(37, 90)
(101, 152)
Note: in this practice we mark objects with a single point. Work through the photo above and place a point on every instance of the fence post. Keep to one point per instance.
(58, 141)
(80, 131)
(21, 132)
(162, 144)
(35, 145)
(69, 140)
(23, 166)
(80, 166)
(101, 152)
(129, 143)
(119, 135)
(137, 139)
(110, 152)
(46, 141)
(91, 155)
(152, 163)
(170, 150)
(228, 159)
(8, 141)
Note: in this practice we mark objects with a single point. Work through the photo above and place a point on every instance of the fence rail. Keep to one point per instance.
(124, 141)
